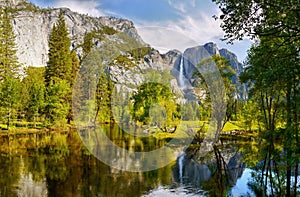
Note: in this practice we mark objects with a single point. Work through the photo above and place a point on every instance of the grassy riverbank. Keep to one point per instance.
(196, 126)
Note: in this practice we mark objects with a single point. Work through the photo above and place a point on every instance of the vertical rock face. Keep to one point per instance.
(32, 27)
(237, 66)
(193, 56)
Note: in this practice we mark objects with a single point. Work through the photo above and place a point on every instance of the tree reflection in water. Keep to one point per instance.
(57, 164)
(219, 170)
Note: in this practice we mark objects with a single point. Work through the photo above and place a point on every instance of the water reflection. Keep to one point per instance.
(130, 152)
(57, 164)
(216, 173)
(28, 187)
(189, 171)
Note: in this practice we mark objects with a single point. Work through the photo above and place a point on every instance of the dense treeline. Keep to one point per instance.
(41, 96)
(36, 94)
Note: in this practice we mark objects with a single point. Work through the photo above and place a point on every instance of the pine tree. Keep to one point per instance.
(8, 60)
(59, 65)
(60, 72)
(9, 98)
(9, 66)
(88, 44)
(103, 98)
(75, 68)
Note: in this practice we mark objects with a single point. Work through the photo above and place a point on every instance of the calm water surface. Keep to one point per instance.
(58, 164)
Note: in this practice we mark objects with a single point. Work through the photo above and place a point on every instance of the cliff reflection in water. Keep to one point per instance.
(58, 164)
(214, 173)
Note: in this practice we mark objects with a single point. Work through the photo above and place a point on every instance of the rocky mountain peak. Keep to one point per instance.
(211, 48)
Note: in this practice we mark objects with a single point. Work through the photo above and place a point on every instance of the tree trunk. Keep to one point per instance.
(288, 135)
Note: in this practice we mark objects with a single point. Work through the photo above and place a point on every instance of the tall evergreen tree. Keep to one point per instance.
(59, 65)
(88, 44)
(9, 98)
(103, 98)
(61, 68)
(9, 66)
(75, 68)
(8, 60)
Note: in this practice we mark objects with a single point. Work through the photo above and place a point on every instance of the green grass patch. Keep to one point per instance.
(180, 132)
(231, 126)
(194, 123)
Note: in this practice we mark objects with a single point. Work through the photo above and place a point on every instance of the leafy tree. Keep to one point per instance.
(260, 18)
(204, 111)
(273, 65)
(276, 85)
(157, 100)
(121, 105)
(33, 92)
(190, 111)
(220, 94)
(250, 114)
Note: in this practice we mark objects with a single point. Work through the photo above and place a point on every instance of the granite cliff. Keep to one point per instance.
(32, 26)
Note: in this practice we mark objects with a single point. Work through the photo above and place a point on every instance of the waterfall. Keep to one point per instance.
(180, 166)
(181, 76)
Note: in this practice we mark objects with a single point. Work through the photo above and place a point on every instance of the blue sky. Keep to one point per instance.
(165, 24)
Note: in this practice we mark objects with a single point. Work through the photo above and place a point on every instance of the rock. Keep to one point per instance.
(32, 29)
(193, 56)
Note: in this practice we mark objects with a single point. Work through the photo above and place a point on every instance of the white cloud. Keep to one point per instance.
(90, 7)
(202, 28)
(182, 6)
(181, 34)
(165, 39)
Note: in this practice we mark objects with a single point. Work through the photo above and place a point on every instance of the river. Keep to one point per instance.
(58, 164)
